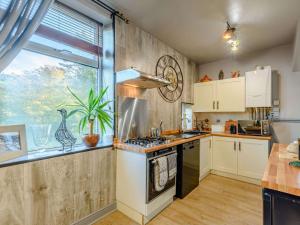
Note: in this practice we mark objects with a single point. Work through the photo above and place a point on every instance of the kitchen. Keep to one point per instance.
(205, 116)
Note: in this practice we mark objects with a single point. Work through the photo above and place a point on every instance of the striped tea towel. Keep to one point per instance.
(172, 165)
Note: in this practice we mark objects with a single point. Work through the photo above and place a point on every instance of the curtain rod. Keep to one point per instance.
(112, 10)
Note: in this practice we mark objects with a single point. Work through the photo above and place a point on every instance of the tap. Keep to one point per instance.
(160, 127)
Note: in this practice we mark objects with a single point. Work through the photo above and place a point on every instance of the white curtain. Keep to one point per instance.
(17, 24)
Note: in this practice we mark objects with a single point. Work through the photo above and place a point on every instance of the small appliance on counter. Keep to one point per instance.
(254, 127)
(231, 126)
(217, 128)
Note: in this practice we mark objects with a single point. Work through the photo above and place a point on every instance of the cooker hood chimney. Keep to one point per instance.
(136, 78)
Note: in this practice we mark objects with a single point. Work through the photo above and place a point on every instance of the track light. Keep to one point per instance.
(230, 36)
(229, 33)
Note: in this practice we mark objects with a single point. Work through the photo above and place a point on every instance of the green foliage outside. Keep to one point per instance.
(32, 98)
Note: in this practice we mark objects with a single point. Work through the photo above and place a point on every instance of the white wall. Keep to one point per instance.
(280, 59)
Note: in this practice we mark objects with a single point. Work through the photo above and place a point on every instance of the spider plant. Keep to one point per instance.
(94, 109)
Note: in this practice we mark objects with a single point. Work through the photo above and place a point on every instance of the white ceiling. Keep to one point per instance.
(195, 27)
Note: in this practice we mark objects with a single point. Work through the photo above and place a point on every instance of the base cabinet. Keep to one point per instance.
(240, 156)
(252, 157)
(224, 155)
(280, 208)
(205, 156)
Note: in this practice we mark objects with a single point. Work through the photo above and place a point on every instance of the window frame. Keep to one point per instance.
(71, 41)
(61, 37)
(53, 152)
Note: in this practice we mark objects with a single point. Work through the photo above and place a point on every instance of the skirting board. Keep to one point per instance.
(236, 177)
(92, 218)
(204, 175)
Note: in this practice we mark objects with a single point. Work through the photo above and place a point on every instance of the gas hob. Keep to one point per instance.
(147, 142)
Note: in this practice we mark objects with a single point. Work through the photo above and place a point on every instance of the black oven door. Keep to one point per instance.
(151, 192)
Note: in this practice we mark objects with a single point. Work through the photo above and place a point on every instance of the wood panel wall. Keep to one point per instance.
(135, 47)
(63, 190)
(57, 191)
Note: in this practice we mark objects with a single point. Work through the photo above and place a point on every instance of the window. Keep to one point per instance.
(65, 51)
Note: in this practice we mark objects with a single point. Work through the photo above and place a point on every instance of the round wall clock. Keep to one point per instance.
(168, 68)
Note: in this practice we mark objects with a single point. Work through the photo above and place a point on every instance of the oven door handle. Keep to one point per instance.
(165, 154)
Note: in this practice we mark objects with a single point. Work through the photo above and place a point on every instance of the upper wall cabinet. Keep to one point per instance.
(261, 88)
(231, 95)
(220, 96)
(204, 97)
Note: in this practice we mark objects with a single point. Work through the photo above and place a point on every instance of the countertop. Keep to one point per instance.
(139, 149)
(279, 175)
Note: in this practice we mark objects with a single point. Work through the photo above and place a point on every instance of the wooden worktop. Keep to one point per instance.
(268, 138)
(279, 175)
(139, 149)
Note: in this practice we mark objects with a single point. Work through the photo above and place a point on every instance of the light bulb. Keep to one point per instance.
(230, 41)
(235, 45)
(234, 48)
(228, 34)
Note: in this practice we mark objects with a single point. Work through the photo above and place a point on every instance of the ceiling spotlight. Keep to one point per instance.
(234, 48)
(228, 34)
(235, 45)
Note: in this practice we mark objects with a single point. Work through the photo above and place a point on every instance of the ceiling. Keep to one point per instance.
(195, 27)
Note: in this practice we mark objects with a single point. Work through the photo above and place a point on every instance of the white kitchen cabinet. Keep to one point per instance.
(252, 157)
(220, 96)
(261, 88)
(204, 95)
(131, 188)
(240, 156)
(205, 156)
(231, 95)
(224, 155)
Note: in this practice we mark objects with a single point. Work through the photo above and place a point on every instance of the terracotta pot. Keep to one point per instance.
(91, 140)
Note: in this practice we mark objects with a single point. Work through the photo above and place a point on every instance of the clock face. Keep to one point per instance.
(168, 68)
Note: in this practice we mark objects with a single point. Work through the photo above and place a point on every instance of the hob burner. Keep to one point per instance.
(147, 141)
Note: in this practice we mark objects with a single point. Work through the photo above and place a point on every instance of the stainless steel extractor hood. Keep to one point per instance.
(136, 78)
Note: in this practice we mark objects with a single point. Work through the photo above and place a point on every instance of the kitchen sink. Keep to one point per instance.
(185, 135)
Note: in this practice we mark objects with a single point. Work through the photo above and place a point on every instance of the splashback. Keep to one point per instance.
(133, 118)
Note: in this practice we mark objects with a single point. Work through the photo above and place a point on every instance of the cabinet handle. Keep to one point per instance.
(217, 104)
(240, 148)
(209, 144)
(213, 104)
(234, 146)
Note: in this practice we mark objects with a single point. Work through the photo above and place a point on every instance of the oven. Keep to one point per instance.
(151, 192)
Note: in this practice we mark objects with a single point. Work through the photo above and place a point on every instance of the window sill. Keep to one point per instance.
(35, 156)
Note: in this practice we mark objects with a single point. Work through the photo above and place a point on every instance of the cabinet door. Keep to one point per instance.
(252, 157)
(204, 96)
(205, 156)
(231, 95)
(224, 155)
(258, 88)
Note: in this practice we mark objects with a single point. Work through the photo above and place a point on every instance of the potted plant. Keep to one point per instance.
(91, 111)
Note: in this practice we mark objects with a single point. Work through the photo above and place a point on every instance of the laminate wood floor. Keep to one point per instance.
(216, 201)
